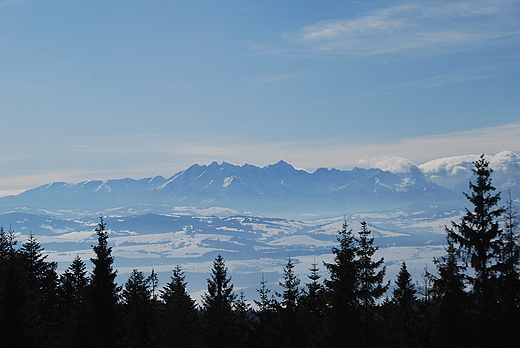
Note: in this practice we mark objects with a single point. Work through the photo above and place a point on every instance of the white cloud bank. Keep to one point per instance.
(7, 3)
(396, 165)
(453, 171)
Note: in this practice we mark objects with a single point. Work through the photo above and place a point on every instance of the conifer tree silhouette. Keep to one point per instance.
(477, 239)
(219, 324)
(104, 292)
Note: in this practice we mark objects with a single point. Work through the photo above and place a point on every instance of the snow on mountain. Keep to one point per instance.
(275, 190)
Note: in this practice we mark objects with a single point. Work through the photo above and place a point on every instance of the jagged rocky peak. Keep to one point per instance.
(280, 166)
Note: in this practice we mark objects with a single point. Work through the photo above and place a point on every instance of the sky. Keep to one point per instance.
(132, 88)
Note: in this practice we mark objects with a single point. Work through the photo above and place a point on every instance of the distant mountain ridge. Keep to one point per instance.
(274, 190)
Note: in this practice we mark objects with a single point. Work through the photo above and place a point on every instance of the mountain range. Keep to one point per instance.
(276, 190)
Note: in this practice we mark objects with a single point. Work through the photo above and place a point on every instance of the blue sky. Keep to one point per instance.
(108, 89)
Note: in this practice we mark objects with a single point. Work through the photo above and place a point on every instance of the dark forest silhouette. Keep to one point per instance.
(472, 300)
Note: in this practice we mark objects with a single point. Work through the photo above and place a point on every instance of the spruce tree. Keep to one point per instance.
(219, 323)
(451, 302)
(477, 238)
(6, 251)
(153, 279)
(74, 281)
(404, 293)
(136, 291)
(311, 298)
(74, 309)
(138, 306)
(244, 320)
(42, 291)
(36, 266)
(179, 317)
(288, 307)
(404, 296)
(508, 269)
(266, 303)
(425, 318)
(17, 318)
(342, 316)
(510, 242)
(266, 327)
(104, 292)
(312, 305)
(290, 284)
(371, 287)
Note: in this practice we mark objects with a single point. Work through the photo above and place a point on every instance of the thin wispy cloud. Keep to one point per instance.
(414, 27)
(505, 65)
(440, 80)
(281, 78)
(5, 158)
(7, 3)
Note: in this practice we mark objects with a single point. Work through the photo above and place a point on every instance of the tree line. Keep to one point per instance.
(472, 300)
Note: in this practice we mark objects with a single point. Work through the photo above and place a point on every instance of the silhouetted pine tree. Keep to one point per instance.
(425, 316)
(371, 288)
(17, 318)
(290, 284)
(451, 302)
(4, 263)
(244, 319)
(74, 281)
(265, 328)
(104, 293)
(508, 269)
(477, 237)
(290, 327)
(177, 324)
(137, 309)
(312, 304)
(42, 292)
(404, 297)
(75, 313)
(342, 315)
(266, 303)
(219, 322)
(154, 285)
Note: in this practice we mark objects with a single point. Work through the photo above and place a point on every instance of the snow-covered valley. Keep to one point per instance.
(251, 246)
